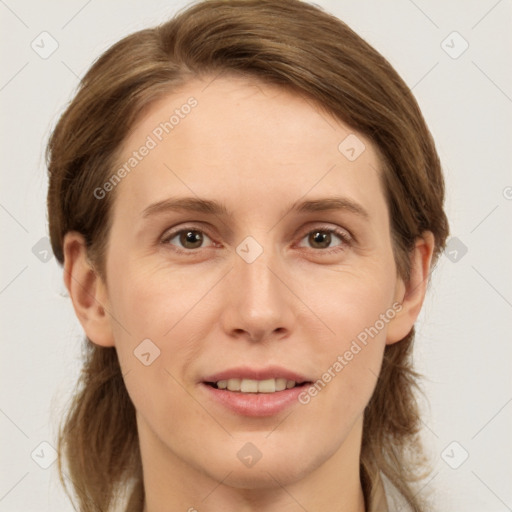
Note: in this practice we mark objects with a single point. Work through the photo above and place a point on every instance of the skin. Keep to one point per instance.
(246, 145)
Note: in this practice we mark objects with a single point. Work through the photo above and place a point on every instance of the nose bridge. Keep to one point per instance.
(261, 304)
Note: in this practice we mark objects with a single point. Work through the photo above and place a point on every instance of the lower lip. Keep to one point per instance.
(255, 404)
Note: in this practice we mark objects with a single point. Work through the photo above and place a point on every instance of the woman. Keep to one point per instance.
(247, 204)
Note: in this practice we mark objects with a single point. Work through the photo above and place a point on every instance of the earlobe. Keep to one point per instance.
(412, 294)
(87, 291)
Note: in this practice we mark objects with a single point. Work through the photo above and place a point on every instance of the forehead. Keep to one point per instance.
(245, 143)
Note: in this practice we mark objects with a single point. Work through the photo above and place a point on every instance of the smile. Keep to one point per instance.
(256, 392)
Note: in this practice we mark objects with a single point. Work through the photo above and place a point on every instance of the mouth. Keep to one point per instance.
(257, 393)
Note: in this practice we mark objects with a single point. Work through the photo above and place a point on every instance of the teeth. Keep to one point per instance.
(249, 386)
(266, 386)
(256, 386)
(280, 384)
(234, 384)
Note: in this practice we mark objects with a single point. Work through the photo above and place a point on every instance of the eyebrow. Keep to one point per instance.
(207, 206)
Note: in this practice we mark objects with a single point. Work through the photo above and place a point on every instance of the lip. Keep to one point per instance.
(255, 404)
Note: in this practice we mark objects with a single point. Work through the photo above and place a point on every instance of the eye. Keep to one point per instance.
(188, 238)
(322, 238)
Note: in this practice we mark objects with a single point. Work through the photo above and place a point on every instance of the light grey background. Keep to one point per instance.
(464, 343)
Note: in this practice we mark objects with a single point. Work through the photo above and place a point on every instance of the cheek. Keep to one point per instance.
(148, 301)
(357, 309)
(157, 333)
(349, 301)
(164, 312)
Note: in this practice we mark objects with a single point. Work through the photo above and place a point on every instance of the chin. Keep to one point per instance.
(260, 464)
(265, 476)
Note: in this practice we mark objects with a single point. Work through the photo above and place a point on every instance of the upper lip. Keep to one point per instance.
(245, 372)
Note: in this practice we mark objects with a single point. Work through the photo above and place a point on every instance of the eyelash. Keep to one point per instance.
(345, 237)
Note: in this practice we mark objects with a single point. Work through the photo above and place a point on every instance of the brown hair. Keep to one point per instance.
(341, 73)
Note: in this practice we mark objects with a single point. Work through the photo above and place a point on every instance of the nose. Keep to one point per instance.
(259, 305)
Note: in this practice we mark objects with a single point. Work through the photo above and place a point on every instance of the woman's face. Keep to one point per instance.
(249, 250)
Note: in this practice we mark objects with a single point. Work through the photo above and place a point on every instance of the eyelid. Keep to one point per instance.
(337, 230)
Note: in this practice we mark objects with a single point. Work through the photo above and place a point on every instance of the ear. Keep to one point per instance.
(87, 290)
(412, 294)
